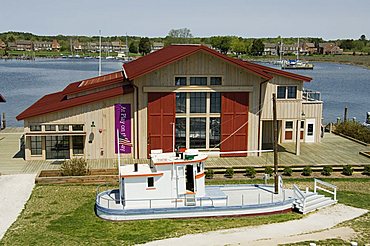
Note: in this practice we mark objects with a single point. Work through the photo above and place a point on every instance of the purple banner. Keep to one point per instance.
(123, 125)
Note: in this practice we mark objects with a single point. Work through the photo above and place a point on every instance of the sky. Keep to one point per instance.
(329, 19)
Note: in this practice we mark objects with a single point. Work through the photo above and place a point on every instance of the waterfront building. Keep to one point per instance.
(187, 96)
(43, 45)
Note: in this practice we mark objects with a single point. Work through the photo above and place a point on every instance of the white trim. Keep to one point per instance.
(195, 88)
(124, 72)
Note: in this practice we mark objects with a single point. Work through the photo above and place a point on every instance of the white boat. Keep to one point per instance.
(367, 121)
(296, 64)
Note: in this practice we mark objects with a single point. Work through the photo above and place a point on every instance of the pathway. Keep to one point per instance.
(316, 226)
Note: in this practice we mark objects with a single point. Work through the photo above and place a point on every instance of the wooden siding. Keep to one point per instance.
(101, 113)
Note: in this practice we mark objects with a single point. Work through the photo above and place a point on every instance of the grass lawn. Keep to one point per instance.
(63, 214)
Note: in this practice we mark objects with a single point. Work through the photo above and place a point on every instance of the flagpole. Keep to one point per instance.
(119, 168)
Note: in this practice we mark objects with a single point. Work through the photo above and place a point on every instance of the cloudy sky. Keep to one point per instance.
(329, 19)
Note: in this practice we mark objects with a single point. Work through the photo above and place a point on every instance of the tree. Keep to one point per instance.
(238, 46)
(132, 48)
(178, 36)
(257, 47)
(363, 37)
(222, 43)
(144, 46)
(347, 44)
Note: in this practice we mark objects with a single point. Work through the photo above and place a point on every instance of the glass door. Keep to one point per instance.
(57, 147)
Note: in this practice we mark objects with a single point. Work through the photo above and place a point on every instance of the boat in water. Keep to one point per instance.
(296, 64)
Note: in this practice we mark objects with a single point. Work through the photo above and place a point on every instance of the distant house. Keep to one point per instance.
(2, 99)
(309, 48)
(157, 46)
(329, 49)
(37, 46)
(55, 46)
(21, 45)
(77, 46)
(270, 49)
(117, 46)
(2, 45)
(289, 49)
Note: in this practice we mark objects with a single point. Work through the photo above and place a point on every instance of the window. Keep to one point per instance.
(36, 145)
(214, 132)
(77, 127)
(78, 145)
(150, 181)
(197, 133)
(198, 102)
(309, 129)
(288, 124)
(181, 102)
(50, 128)
(281, 92)
(216, 81)
(199, 169)
(302, 124)
(292, 92)
(180, 80)
(35, 128)
(63, 127)
(198, 80)
(57, 147)
(180, 135)
(215, 102)
(286, 92)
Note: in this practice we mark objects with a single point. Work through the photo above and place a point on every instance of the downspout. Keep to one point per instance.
(259, 115)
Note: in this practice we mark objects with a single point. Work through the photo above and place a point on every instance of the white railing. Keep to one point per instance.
(320, 182)
(298, 194)
(310, 95)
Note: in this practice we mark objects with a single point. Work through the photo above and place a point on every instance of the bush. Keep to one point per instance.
(327, 170)
(250, 172)
(354, 130)
(210, 174)
(366, 170)
(74, 167)
(269, 170)
(347, 170)
(229, 172)
(307, 171)
(287, 171)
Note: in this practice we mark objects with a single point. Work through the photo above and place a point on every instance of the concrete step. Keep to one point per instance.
(320, 205)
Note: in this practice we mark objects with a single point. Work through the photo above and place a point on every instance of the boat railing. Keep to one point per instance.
(310, 95)
(298, 194)
(318, 182)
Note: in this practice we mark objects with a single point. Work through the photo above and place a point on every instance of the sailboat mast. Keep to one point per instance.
(298, 50)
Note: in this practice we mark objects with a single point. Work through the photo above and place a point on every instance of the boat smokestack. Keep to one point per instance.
(136, 167)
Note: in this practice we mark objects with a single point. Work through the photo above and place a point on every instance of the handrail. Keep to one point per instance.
(300, 196)
(334, 187)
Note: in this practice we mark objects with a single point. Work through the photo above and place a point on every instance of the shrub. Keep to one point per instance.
(287, 171)
(74, 167)
(347, 170)
(209, 174)
(229, 172)
(366, 170)
(250, 172)
(327, 170)
(307, 171)
(354, 130)
(269, 170)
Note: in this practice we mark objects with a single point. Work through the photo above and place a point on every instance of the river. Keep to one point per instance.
(24, 82)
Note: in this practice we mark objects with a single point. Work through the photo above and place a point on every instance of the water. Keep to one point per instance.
(24, 82)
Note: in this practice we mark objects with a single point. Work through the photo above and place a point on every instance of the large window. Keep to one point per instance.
(197, 133)
(286, 92)
(35, 128)
(198, 102)
(215, 102)
(198, 80)
(49, 128)
(180, 80)
(180, 138)
(214, 132)
(57, 147)
(78, 145)
(181, 102)
(36, 145)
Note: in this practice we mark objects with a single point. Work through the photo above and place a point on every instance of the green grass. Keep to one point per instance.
(64, 214)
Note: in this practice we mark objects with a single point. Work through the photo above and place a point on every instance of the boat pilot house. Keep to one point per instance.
(181, 96)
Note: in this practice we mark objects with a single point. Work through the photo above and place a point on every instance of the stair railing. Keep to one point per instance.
(318, 182)
(298, 194)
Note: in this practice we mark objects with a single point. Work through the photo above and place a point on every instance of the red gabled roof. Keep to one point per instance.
(2, 99)
(57, 101)
(172, 53)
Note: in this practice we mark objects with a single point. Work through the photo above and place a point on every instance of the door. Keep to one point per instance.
(189, 178)
(180, 177)
(310, 131)
(57, 147)
(234, 120)
(161, 120)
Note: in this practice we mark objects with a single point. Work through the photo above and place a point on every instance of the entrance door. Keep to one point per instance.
(57, 147)
(310, 131)
(190, 178)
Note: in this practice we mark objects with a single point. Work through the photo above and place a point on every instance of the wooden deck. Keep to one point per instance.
(333, 150)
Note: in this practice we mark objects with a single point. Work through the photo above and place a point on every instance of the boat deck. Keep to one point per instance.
(226, 200)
